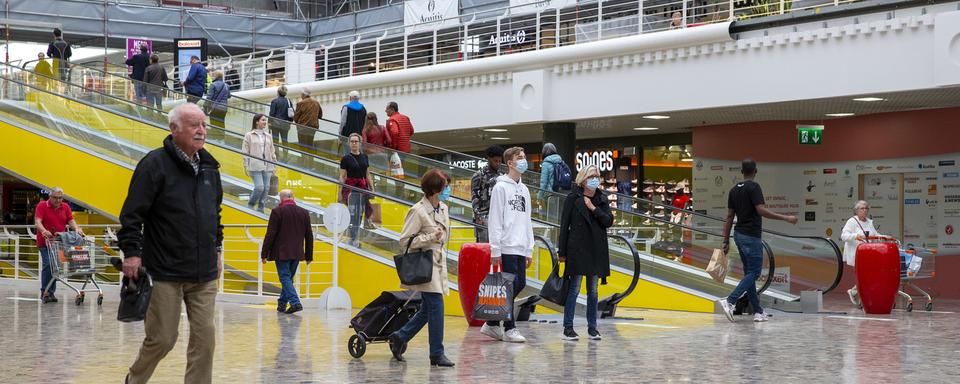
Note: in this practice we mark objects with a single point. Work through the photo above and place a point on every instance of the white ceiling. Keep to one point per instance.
(683, 121)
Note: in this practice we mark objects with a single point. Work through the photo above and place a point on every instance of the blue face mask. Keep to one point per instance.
(445, 194)
(522, 165)
(593, 183)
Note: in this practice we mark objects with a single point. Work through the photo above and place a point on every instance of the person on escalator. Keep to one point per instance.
(216, 106)
(745, 203)
(855, 232)
(59, 50)
(139, 62)
(355, 172)
(583, 247)
(399, 126)
(481, 186)
(156, 78)
(196, 82)
(554, 177)
(353, 116)
(259, 161)
(511, 235)
(307, 114)
(281, 114)
(376, 134)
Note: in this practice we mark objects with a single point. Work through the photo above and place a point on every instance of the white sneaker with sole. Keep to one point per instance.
(495, 332)
(514, 336)
(760, 318)
(727, 308)
(854, 296)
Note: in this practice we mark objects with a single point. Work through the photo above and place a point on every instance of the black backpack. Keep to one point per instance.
(562, 178)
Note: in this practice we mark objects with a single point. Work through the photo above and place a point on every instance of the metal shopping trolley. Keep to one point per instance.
(74, 257)
(916, 263)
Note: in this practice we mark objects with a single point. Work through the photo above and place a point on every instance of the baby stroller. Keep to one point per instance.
(384, 315)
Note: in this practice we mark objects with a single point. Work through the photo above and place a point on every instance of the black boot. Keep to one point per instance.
(294, 308)
(440, 361)
(396, 346)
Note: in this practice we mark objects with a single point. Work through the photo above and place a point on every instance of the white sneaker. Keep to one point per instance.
(727, 308)
(760, 318)
(514, 336)
(495, 332)
(854, 296)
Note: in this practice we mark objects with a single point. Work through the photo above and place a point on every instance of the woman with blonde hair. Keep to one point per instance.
(216, 106)
(584, 221)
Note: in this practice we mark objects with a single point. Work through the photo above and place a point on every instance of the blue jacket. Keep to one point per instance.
(546, 175)
(196, 82)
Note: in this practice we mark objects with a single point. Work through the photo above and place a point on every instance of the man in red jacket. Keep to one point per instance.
(289, 239)
(400, 128)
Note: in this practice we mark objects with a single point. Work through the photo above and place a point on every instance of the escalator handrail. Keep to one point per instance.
(617, 297)
(771, 266)
(534, 175)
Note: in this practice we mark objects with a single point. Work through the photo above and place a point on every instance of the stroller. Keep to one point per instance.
(384, 315)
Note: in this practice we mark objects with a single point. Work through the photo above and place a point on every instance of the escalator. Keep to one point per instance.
(675, 282)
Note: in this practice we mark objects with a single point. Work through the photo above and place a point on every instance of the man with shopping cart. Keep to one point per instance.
(51, 216)
(170, 225)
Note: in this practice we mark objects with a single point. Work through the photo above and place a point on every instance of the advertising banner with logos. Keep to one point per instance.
(914, 199)
(183, 49)
(519, 7)
(427, 15)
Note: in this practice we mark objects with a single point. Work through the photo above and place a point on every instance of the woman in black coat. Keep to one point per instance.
(583, 246)
(280, 117)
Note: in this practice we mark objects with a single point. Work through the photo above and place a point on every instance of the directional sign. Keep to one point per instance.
(810, 134)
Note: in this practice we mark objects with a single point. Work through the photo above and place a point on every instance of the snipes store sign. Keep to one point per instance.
(427, 15)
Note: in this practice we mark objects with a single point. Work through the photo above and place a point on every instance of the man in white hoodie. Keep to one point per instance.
(511, 235)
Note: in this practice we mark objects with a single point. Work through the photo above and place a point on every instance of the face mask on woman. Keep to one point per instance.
(445, 194)
(593, 183)
(522, 165)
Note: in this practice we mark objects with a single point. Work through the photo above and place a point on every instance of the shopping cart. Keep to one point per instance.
(916, 263)
(75, 257)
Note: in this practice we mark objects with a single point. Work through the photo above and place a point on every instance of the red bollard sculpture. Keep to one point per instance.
(472, 267)
(878, 274)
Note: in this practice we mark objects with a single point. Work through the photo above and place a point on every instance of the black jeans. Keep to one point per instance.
(517, 265)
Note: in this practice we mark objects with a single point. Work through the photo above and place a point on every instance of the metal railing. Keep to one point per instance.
(243, 272)
(493, 33)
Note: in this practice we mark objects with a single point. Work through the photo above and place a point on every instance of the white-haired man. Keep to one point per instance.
(170, 224)
(353, 115)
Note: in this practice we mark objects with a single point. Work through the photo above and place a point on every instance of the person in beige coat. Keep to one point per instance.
(258, 144)
(428, 225)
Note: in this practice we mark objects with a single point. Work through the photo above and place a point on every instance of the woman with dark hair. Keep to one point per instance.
(355, 172)
(427, 226)
(376, 134)
(258, 150)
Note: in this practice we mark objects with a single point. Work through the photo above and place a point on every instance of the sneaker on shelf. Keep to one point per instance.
(570, 335)
(514, 336)
(634, 189)
(648, 189)
(594, 334)
(661, 189)
(493, 331)
(648, 181)
(727, 308)
(760, 318)
(634, 206)
(634, 181)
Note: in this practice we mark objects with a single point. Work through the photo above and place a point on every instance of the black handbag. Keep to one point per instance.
(414, 267)
(134, 295)
(555, 288)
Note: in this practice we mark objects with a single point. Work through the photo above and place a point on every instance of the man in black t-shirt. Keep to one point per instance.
(745, 202)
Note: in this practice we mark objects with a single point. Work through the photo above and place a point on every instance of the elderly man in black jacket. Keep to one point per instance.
(289, 240)
(170, 224)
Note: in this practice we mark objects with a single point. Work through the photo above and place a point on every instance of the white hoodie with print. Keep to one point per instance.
(510, 228)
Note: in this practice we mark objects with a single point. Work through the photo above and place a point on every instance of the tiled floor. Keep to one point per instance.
(64, 343)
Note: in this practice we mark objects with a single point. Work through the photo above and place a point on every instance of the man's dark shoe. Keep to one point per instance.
(441, 361)
(294, 308)
(281, 307)
(396, 346)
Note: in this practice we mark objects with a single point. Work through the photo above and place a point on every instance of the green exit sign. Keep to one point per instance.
(810, 134)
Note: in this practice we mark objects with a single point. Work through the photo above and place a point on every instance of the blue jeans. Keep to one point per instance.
(45, 275)
(517, 265)
(140, 90)
(751, 254)
(286, 269)
(155, 99)
(571, 305)
(261, 181)
(431, 312)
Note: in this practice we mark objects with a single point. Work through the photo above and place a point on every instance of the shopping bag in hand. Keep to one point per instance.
(396, 167)
(495, 297)
(134, 294)
(718, 265)
(555, 287)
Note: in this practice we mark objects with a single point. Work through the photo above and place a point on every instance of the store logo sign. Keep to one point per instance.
(947, 163)
(911, 201)
(829, 171)
(951, 174)
(716, 167)
(926, 166)
(518, 37)
(602, 159)
(699, 165)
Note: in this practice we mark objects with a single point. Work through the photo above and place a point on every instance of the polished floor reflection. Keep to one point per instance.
(65, 343)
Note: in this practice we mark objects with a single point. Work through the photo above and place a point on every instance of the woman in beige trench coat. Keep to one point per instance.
(428, 224)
